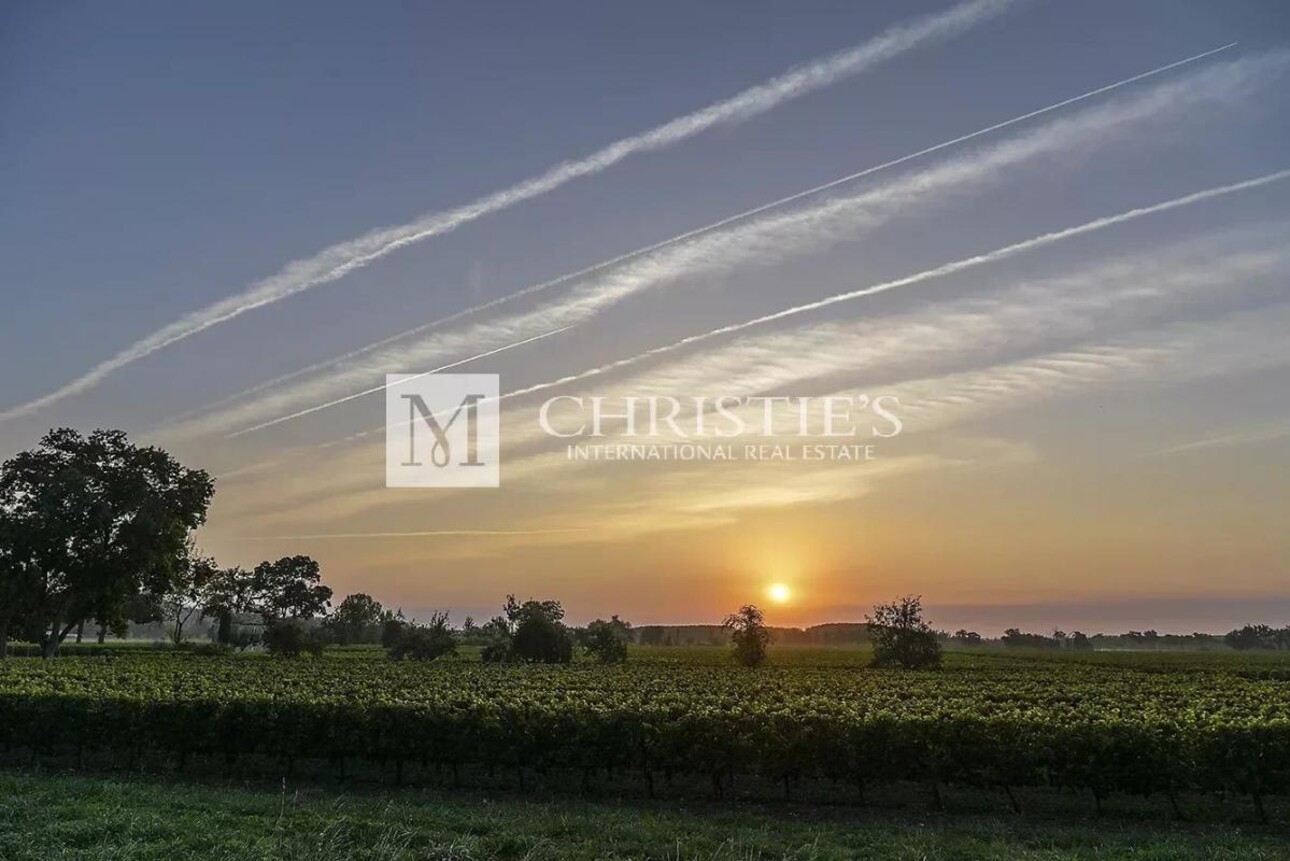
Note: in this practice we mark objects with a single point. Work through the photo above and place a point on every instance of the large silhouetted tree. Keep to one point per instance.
(288, 588)
(91, 523)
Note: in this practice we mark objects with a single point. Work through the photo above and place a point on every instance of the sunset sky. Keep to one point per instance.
(215, 217)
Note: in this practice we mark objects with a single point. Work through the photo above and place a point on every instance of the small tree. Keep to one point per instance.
(749, 635)
(229, 594)
(607, 641)
(392, 625)
(900, 636)
(538, 634)
(496, 634)
(965, 637)
(194, 590)
(288, 588)
(357, 619)
(424, 642)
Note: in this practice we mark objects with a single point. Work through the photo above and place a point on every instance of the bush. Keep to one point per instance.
(749, 635)
(424, 642)
(290, 638)
(541, 640)
(901, 637)
(606, 641)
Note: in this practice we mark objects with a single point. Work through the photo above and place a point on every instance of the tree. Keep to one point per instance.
(228, 594)
(424, 642)
(749, 635)
(1080, 641)
(90, 523)
(1251, 637)
(392, 625)
(192, 591)
(607, 641)
(900, 636)
(538, 634)
(357, 619)
(17, 585)
(965, 637)
(1014, 638)
(288, 588)
(496, 634)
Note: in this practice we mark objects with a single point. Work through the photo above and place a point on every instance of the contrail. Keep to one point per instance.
(339, 260)
(925, 275)
(427, 534)
(769, 236)
(699, 231)
(383, 387)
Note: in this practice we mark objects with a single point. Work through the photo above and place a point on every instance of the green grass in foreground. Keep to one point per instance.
(50, 817)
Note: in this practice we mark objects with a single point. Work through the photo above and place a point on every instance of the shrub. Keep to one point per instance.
(901, 637)
(749, 635)
(424, 642)
(289, 638)
(606, 641)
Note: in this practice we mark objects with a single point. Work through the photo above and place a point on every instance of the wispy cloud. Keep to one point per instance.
(341, 259)
(1245, 436)
(766, 239)
(920, 277)
(697, 232)
(944, 361)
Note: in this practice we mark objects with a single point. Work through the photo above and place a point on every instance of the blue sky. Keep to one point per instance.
(156, 159)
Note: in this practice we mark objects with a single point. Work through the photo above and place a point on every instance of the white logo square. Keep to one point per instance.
(442, 430)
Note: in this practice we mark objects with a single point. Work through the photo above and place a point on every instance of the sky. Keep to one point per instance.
(1053, 232)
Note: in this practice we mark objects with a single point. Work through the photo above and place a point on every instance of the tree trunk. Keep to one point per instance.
(102, 632)
(4, 640)
(225, 635)
(80, 631)
(49, 639)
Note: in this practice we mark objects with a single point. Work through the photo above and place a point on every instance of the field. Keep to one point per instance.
(1064, 737)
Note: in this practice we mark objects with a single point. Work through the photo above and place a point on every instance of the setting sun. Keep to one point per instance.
(779, 593)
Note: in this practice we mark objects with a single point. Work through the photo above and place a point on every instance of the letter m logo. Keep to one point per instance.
(442, 430)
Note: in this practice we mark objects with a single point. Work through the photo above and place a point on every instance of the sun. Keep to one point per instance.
(779, 593)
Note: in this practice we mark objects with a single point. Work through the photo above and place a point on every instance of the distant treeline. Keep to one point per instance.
(857, 634)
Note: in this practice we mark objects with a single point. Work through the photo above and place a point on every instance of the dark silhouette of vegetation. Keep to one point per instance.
(1258, 637)
(290, 638)
(357, 619)
(964, 637)
(424, 642)
(87, 525)
(1015, 638)
(538, 634)
(288, 588)
(607, 641)
(749, 636)
(901, 637)
(193, 590)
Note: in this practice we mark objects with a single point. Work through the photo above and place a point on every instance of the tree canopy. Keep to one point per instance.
(90, 523)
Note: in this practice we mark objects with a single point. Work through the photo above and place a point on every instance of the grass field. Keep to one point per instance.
(46, 817)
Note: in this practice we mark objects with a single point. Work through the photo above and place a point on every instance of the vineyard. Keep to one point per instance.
(1116, 725)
